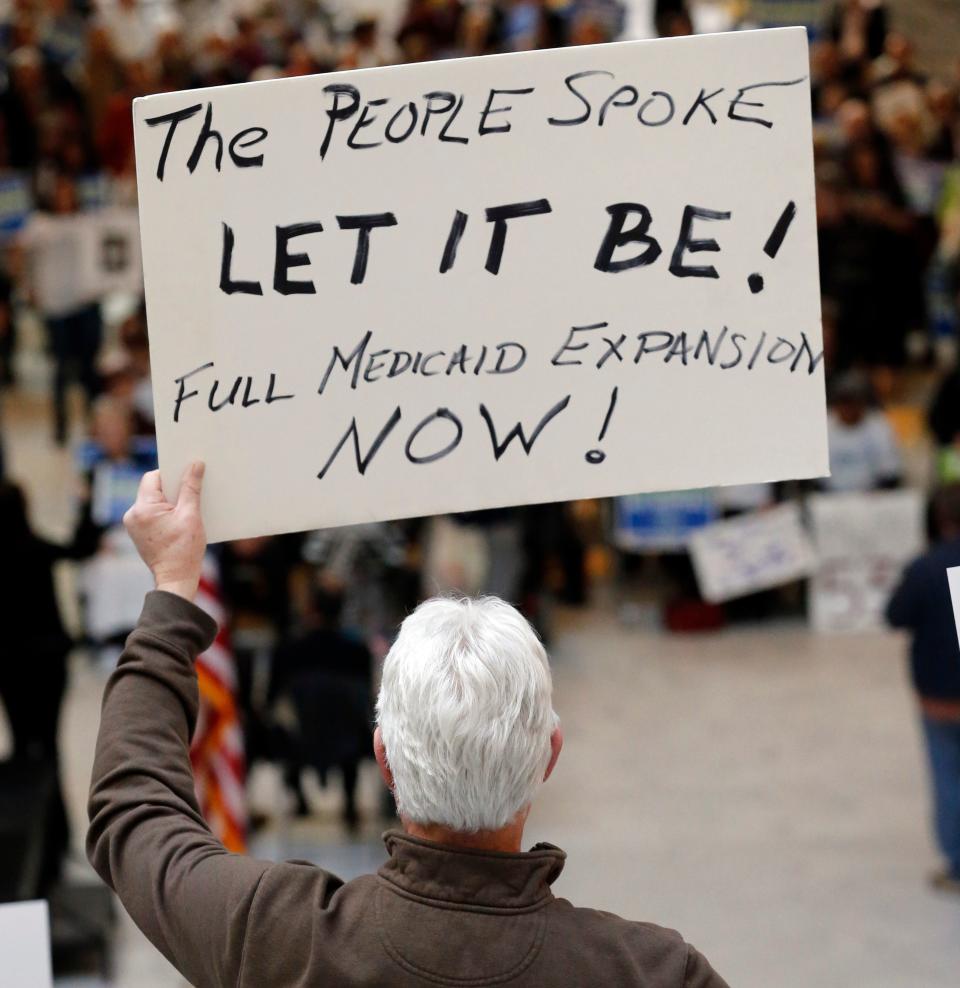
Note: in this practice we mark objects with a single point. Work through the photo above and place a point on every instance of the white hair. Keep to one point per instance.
(465, 714)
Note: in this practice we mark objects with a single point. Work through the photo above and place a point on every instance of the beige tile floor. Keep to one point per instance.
(761, 790)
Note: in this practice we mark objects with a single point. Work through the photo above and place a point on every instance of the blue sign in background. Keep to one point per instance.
(662, 521)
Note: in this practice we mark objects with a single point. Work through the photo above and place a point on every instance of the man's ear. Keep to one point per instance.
(381, 755)
(556, 744)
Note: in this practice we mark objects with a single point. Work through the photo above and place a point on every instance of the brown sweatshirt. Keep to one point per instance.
(432, 915)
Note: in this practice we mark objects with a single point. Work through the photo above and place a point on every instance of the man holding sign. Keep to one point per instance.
(433, 288)
(466, 734)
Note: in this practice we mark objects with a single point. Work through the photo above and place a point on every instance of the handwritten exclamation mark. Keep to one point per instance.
(597, 455)
(773, 244)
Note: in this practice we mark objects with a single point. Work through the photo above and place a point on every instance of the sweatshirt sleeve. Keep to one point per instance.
(698, 972)
(147, 838)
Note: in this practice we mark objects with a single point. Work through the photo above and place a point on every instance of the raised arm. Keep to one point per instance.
(147, 839)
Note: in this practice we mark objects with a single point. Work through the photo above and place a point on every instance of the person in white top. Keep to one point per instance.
(50, 250)
(864, 455)
(133, 26)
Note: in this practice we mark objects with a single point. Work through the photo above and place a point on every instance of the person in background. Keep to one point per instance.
(102, 75)
(116, 445)
(7, 330)
(124, 374)
(877, 279)
(366, 48)
(258, 580)
(33, 662)
(62, 34)
(863, 449)
(944, 422)
(114, 136)
(326, 674)
(476, 553)
(377, 566)
(172, 59)
(49, 252)
(945, 109)
(859, 28)
(921, 605)
(27, 96)
(532, 24)
(132, 30)
(672, 19)
(7, 349)
(112, 463)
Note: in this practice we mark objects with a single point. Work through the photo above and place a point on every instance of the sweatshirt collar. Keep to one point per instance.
(468, 877)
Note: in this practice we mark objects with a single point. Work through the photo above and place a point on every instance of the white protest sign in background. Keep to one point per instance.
(953, 580)
(754, 552)
(25, 945)
(480, 282)
(863, 542)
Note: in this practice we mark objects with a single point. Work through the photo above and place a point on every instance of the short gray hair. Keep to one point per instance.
(465, 713)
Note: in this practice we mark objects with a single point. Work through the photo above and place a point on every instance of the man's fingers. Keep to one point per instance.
(150, 489)
(191, 486)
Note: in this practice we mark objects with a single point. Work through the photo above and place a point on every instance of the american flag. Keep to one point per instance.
(217, 750)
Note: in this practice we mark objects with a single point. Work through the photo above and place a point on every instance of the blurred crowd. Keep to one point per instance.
(310, 615)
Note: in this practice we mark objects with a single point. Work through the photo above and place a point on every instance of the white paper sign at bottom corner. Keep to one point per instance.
(953, 578)
(753, 552)
(25, 945)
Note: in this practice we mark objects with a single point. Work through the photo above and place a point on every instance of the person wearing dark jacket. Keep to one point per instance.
(33, 667)
(466, 733)
(944, 415)
(326, 673)
(943, 420)
(921, 604)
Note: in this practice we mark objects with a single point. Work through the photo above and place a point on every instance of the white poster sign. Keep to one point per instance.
(752, 552)
(863, 542)
(25, 945)
(483, 282)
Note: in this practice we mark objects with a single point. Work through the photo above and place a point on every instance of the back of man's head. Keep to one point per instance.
(465, 714)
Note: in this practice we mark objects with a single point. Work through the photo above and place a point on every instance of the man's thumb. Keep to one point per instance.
(190, 486)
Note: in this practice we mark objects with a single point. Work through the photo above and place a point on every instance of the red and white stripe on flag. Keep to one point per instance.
(217, 749)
